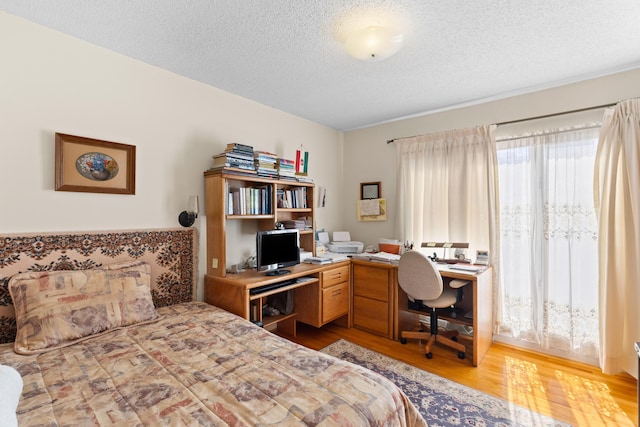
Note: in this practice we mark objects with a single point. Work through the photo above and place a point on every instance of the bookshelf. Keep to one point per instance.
(321, 293)
(249, 197)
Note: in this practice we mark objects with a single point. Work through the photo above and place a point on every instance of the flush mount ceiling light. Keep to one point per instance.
(374, 43)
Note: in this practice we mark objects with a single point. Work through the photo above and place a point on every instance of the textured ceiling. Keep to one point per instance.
(290, 55)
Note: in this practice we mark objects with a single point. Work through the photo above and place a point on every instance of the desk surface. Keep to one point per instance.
(252, 279)
(463, 268)
(446, 270)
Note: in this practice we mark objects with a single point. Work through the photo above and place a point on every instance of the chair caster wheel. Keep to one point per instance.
(454, 339)
(429, 355)
(461, 355)
(403, 340)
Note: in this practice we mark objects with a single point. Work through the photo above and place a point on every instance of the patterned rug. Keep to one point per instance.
(440, 401)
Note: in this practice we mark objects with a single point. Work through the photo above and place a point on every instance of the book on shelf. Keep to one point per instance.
(287, 178)
(234, 157)
(265, 165)
(267, 173)
(301, 178)
(286, 162)
(236, 147)
(239, 157)
(286, 167)
(295, 198)
(234, 165)
(250, 200)
(295, 223)
(265, 156)
(234, 170)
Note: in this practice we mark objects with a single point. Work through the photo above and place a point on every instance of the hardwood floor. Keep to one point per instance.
(572, 392)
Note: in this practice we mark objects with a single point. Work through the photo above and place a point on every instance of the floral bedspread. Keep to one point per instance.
(200, 365)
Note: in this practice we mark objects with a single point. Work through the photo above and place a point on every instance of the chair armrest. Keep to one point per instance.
(457, 283)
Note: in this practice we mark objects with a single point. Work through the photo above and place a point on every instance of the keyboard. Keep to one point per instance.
(271, 286)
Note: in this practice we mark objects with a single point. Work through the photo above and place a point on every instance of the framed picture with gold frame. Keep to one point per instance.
(370, 190)
(94, 166)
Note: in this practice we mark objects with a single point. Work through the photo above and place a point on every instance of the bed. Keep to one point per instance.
(104, 330)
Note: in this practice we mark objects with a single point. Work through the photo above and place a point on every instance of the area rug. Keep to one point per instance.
(440, 401)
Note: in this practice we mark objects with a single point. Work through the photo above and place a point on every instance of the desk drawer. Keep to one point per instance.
(371, 315)
(335, 276)
(335, 302)
(371, 282)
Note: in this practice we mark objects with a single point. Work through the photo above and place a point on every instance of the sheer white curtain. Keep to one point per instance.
(447, 189)
(617, 200)
(549, 293)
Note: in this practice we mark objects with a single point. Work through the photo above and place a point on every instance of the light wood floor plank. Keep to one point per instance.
(573, 392)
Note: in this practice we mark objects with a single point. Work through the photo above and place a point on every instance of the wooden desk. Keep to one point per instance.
(477, 299)
(322, 295)
(380, 305)
(374, 297)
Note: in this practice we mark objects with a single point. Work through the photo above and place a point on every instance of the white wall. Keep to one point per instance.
(51, 82)
(368, 157)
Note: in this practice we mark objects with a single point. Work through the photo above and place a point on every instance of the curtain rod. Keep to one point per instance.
(551, 132)
(545, 116)
(389, 141)
(562, 113)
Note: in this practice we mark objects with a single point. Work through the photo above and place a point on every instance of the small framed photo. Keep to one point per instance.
(370, 190)
(94, 166)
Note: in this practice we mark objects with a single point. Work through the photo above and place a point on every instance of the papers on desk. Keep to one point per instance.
(378, 257)
(336, 257)
(467, 268)
(385, 257)
(318, 260)
(326, 258)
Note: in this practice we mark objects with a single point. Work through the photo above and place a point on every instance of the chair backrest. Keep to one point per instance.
(419, 277)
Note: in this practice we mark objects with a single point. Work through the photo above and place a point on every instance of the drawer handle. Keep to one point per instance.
(336, 292)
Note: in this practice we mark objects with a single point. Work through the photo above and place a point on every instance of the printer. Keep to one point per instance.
(342, 244)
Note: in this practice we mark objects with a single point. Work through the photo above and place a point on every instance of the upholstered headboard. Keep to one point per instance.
(171, 253)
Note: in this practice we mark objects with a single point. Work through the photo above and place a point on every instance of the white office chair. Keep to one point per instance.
(419, 277)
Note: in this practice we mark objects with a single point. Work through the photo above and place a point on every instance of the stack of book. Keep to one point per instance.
(304, 178)
(295, 224)
(265, 164)
(235, 158)
(287, 169)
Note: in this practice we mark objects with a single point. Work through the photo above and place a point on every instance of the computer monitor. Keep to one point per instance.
(276, 249)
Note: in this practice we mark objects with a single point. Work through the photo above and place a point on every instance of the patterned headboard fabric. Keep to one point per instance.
(171, 253)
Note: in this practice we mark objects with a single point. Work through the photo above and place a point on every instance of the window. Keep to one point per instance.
(549, 264)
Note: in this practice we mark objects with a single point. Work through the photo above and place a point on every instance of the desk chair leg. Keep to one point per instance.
(431, 339)
(443, 339)
(448, 338)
